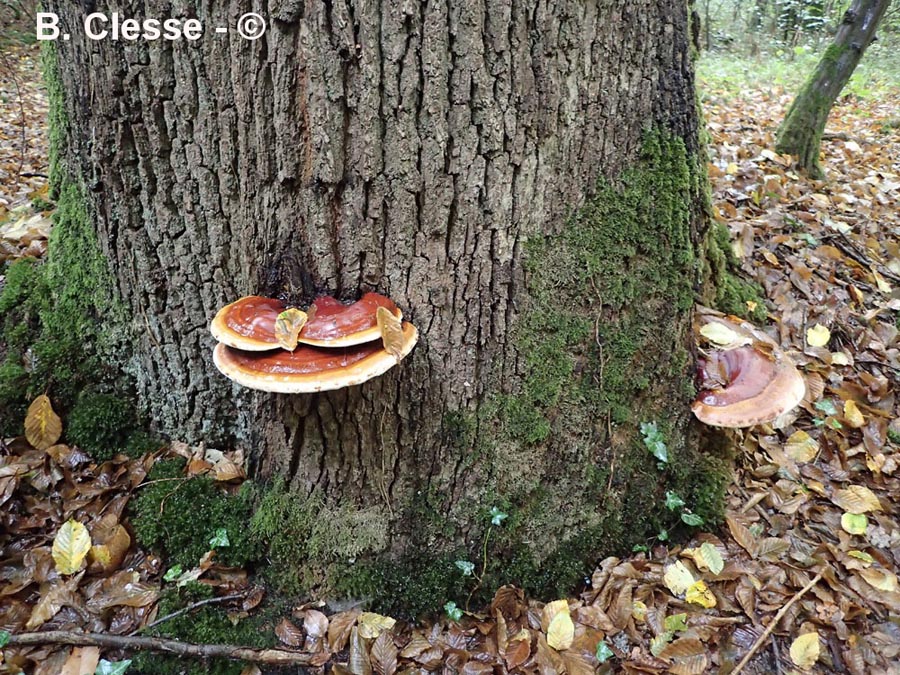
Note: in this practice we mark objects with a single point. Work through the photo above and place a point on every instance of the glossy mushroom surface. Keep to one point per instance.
(746, 387)
(309, 369)
(248, 323)
(335, 324)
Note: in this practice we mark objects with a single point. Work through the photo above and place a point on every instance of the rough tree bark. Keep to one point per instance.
(801, 132)
(523, 178)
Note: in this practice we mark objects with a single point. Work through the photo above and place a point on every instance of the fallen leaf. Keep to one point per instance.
(288, 326)
(818, 336)
(42, 426)
(699, 594)
(805, 650)
(857, 499)
(391, 329)
(560, 628)
(852, 415)
(801, 447)
(371, 625)
(70, 546)
(854, 523)
(678, 578)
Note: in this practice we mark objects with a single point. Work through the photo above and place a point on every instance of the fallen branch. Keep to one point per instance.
(271, 657)
(185, 610)
(768, 631)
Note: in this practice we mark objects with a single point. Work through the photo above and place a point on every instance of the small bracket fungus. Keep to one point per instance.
(342, 345)
(745, 377)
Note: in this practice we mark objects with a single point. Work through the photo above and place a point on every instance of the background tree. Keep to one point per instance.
(524, 179)
(801, 133)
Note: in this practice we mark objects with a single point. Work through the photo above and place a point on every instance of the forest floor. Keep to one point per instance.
(802, 576)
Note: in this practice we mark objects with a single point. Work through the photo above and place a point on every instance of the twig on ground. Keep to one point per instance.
(185, 610)
(273, 657)
(768, 631)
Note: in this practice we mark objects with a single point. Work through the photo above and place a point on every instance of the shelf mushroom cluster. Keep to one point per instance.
(745, 378)
(267, 346)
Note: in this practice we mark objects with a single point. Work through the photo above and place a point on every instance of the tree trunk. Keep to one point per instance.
(523, 179)
(801, 132)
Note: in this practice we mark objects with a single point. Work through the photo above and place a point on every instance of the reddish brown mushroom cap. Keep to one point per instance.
(338, 325)
(755, 388)
(248, 323)
(310, 369)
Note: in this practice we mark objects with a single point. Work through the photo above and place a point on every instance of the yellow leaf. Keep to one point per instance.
(883, 285)
(561, 630)
(707, 557)
(391, 331)
(70, 546)
(42, 426)
(719, 333)
(288, 326)
(861, 555)
(818, 336)
(731, 169)
(699, 594)
(639, 611)
(852, 414)
(856, 499)
(839, 359)
(371, 625)
(805, 650)
(854, 523)
(801, 447)
(883, 580)
(678, 578)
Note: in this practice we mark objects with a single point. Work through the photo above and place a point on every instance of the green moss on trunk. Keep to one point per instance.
(57, 314)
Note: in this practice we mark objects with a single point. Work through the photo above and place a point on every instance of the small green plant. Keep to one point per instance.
(655, 443)
(454, 612)
(604, 653)
(105, 667)
(497, 517)
(894, 436)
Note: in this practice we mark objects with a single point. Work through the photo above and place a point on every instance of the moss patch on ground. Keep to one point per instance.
(207, 625)
(178, 516)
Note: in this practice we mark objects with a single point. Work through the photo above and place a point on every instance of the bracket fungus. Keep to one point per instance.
(745, 378)
(341, 345)
(249, 323)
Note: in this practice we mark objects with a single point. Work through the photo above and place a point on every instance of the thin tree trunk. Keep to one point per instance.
(446, 154)
(801, 132)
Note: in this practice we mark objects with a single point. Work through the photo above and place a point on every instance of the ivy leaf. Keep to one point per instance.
(691, 519)
(220, 539)
(655, 441)
(497, 516)
(467, 567)
(112, 667)
(673, 501)
(4, 638)
(173, 573)
(604, 653)
(454, 612)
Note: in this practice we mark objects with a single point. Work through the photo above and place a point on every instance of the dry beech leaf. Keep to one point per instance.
(371, 625)
(391, 329)
(699, 594)
(288, 326)
(339, 629)
(82, 661)
(742, 535)
(70, 547)
(678, 578)
(42, 426)
(817, 336)
(720, 334)
(360, 664)
(852, 415)
(801, 447)
(706, 557)
(109, 554)
(384, 654)
(857, 499)
(882, 580)
(805, 650)
(854, 523)
(289, 633)
(560, 628)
